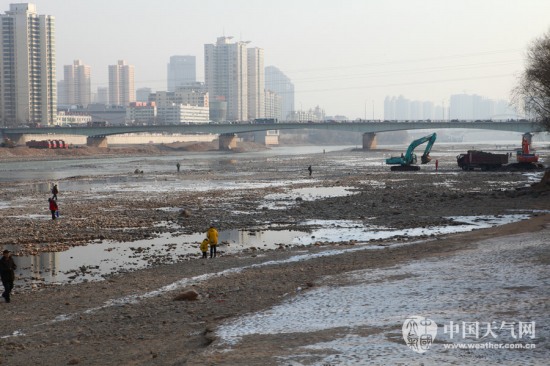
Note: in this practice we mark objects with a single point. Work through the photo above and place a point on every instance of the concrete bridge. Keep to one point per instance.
(97, 136)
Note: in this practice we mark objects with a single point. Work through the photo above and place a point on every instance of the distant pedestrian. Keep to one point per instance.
(53, 207)
(204, 248)
(178, 166)
(7, 272)
(310, 170)
(436, 164)
(212, 236)
(55, 191)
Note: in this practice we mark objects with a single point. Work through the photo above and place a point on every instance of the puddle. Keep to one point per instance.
(95, 260)
(279, 201)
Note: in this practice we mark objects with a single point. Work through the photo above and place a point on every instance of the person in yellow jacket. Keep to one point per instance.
(204, 248)
(212, 236)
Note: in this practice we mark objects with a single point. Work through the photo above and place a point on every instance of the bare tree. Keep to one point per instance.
(533, 89)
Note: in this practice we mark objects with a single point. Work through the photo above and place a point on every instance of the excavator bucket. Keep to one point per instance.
(425, 159)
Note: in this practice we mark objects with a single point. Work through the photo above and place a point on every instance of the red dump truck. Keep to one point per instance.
(479, 159)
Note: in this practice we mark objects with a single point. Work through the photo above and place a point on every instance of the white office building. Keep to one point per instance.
(28, 84)
(273, 105)
(121, 84)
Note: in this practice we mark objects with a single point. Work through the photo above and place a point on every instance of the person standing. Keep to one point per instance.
(53, 207)
(204, 248)
(55, 191)
(310, 170)
(178, 166)
(7, 272)
(212, 236)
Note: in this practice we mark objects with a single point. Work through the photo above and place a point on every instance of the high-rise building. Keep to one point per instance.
(273, 105)
(121, 84)
(77, 87)
(181, 71)
(256, 83)
(226, 75)
(28, 85)
(278, 82)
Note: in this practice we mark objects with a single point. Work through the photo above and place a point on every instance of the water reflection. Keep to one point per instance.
(93, 261)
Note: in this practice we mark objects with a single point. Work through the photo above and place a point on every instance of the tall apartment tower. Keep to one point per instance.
(181, 72)
(121, 84)
(28, 85)
(278, 82)
(226, 75)
(256, 83)
(78, 90)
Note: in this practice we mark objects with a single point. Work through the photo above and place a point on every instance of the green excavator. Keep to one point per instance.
(404, 162)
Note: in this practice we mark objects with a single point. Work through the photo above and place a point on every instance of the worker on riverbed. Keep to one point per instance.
(55, 191)
(212, 236)
(7, 273)
(310, 170)
(178, 166)
(204, 248)
(53, 207)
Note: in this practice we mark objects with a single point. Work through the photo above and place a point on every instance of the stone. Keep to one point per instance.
(189, 295)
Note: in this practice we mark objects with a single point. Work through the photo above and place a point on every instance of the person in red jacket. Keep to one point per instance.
(53, 207)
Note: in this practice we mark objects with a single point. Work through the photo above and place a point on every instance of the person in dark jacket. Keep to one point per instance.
(7, 272)
(53, 207)
(55, 191)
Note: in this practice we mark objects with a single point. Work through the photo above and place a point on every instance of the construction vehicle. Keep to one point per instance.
(525, 155)
(8, 143)
(404, 162)
(479, 159)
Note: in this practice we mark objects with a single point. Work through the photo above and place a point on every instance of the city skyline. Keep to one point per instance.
(343, 58)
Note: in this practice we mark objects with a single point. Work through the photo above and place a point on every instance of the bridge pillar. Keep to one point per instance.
(228, 141)
(17, 138)
(269, 137)
(369, 141)
(96, 141)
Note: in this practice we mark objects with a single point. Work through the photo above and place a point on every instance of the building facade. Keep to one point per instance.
(73, 119)
(278, 82)
(256, 83)
(121, 84)
(181, 71)
(226, 75)
(28, 87)
(184, 105)
(273, 105)
(77, 85)
(141, 113)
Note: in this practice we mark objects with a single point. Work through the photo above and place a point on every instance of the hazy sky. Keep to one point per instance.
(344, 56)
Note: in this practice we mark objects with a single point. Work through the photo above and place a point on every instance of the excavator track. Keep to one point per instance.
(405, 168)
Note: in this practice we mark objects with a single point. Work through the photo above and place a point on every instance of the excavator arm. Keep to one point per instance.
(409, 157)
(426, 156)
